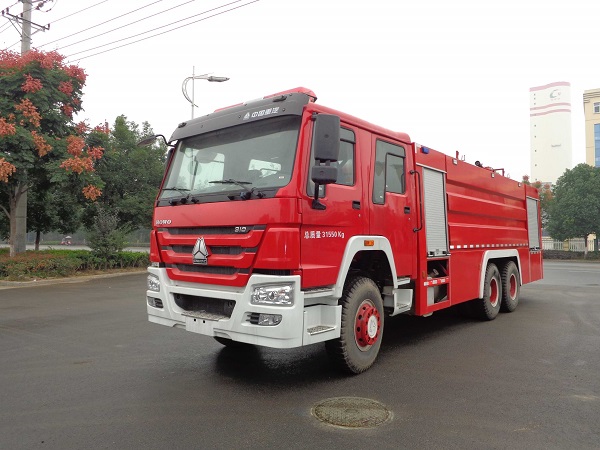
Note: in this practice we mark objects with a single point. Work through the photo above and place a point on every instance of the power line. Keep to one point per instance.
(14, 4)
(77, 12)
(158, 34)
(131, 23)
(102, 23)
(4, 27)
(7, 24)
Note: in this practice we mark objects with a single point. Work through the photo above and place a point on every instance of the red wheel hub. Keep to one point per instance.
(367, 324)
(513, 287)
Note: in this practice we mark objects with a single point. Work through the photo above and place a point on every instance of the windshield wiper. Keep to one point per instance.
(247, 194)
(182, 191)
(178, 189)
(232, 181)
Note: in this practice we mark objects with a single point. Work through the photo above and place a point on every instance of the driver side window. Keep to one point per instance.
(345, 164)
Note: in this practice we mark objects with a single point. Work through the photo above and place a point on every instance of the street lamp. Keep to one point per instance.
(206, 77)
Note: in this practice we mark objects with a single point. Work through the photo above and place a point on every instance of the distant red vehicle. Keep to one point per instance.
(66, 240)
(283, 223)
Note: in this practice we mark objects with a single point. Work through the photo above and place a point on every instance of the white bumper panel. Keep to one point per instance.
(299, 325)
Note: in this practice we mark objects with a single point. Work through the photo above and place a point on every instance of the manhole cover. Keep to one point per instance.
(351, 412)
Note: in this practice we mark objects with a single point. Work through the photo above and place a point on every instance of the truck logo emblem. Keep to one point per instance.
(200, 252)
(261, 113)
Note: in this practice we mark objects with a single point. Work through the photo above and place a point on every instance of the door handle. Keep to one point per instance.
(407, 210)
(355, 204)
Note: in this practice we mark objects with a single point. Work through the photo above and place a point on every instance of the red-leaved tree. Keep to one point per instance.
(39, 139)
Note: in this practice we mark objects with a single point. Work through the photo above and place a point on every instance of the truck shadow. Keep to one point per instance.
(278, 368)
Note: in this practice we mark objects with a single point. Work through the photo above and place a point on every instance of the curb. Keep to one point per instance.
(50, 281)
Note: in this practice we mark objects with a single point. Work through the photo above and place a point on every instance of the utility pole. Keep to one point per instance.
(26, 27)
(20, 191)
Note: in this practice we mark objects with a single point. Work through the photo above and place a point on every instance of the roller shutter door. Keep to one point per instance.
(533, 226)
(436, 219)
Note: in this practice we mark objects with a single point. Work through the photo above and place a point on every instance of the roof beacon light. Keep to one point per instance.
(301, 90)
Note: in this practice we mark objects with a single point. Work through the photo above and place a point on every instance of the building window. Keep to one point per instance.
(597, 144)
(597, 108)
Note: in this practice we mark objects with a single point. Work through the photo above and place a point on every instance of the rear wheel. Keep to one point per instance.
(510, 287)
(487, 308)
(362, 327)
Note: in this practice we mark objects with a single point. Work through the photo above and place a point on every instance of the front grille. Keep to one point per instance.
(193, 303)
(232, 252)
(279, 272)
(213, 270)
(214, 249)
(213, 230)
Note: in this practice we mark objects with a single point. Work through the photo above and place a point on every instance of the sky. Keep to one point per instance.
(454, 75)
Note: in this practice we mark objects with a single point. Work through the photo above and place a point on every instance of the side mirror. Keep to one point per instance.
(324, 174)
(326, 138)
(149, 140)
(326, 145)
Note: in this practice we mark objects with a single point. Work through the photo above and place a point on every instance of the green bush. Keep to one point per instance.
(64, 263)
(569, 255)
(37, 265)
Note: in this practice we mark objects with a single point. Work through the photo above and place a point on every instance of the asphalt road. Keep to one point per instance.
(80, 367)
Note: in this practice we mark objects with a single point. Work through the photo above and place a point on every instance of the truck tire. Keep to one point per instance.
(487, 308)
(510, 287)
(362, 327)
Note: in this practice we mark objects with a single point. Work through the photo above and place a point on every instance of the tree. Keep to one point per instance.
(575, 208)
(106, 237)
(545, 192)
(56, 208)
(546, 196)
(39, 141)
(131, 174)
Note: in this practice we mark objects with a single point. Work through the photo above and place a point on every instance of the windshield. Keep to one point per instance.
(257, 155)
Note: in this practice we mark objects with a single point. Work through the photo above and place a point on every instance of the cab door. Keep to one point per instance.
(325, 232)
(392, 211)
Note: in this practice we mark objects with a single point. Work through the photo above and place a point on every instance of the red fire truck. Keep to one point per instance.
(283, 223)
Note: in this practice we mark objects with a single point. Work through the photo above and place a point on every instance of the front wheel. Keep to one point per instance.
(487, 308)
(362, 327)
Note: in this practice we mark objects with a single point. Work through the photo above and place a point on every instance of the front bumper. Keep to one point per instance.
(227, 312)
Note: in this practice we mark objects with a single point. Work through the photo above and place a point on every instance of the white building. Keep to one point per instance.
(591, 111)
(550, 131)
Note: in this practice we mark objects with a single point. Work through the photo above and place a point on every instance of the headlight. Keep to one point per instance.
(273, 294)
(153, 283)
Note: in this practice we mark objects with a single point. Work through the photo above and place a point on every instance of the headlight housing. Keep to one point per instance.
(153, 283)
(273, 294)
